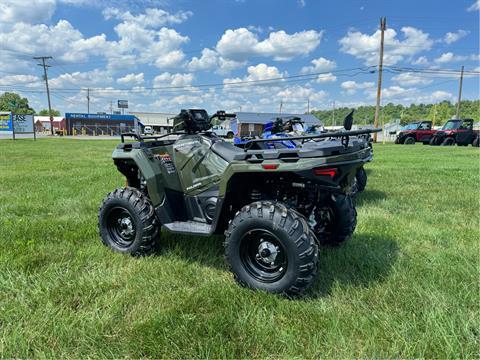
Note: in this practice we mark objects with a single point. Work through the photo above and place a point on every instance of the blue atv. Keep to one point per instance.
(292, 127)
(281, 127)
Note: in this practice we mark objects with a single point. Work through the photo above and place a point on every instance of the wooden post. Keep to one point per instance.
(34, 129)
(457, 115)
(13, 126)
(383, 25)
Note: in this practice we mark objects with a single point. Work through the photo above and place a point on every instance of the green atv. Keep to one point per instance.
(273, 205)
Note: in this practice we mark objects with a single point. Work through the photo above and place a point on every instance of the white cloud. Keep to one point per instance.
(394, 91)
(208, 61)
(438, 95)
(211, 60)
(152, 17)
(451, 57)
(301, 3)
(422, 60)
(166, 79)
(95, 77)
(325, 78)
(351, 86)
(295, 98)
(366, 47)
(451, 37)
(319, 65)
(258, 72)
(25, 80)
(241, 44)
(33, 12)
(132, 79)
(475, 6)
(411, 79)
(255, 73)
(263, 72)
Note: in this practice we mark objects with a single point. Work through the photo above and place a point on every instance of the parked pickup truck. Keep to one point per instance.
(456, 131)
(420, 131)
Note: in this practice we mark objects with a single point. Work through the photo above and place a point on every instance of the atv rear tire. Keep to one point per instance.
(336, 220)
(127, 222)
(409, 140)
(270, 247)
(448, 142)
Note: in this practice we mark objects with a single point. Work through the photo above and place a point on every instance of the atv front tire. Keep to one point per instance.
(127, 222)
(270, 247)
(475, 142)
(335, 220)
(409, 141)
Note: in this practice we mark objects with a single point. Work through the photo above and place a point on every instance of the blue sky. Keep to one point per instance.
(166, 55)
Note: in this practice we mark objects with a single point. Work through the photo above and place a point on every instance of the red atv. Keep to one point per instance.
(456, 131)
(420, 131)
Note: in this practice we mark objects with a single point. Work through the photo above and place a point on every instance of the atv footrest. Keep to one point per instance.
(190, 227)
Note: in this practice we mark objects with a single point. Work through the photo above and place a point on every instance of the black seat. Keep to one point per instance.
(226, 150)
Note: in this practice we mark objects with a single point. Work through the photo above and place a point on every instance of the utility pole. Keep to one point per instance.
(281, 104)
(45, 77)
(457, 115)
(308, 105)
(383, 26)
(88, 100)
(111, 107)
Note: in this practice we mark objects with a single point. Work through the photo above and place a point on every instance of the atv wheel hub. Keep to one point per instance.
(267, 252)
(263, 255)
(126, 226)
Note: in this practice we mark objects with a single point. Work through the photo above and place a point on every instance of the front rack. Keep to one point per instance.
(345, 135)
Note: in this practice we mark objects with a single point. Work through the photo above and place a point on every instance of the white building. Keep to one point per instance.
(160, 122)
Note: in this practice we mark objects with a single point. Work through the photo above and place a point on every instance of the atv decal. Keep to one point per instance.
(166, 161)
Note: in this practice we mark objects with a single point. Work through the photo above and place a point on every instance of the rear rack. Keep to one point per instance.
(142, 138)
(156, 137)
(345, 135)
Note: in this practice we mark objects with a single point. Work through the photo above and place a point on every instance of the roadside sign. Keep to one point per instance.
(6, 121)
(123, 104)
(23, 124)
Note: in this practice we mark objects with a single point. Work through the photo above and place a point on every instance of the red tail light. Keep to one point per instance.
(326, 172)
(270, 166)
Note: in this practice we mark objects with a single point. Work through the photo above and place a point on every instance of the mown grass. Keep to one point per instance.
(405, 286)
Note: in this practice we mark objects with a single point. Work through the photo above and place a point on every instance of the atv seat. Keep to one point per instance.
(226, 150)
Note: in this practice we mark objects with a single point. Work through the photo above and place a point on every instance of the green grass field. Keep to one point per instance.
(406, 285)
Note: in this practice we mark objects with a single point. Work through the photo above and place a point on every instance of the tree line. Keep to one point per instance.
(440, 112)
(14, 103)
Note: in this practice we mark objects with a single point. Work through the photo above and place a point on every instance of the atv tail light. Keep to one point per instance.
(326, 172)
(270, 166)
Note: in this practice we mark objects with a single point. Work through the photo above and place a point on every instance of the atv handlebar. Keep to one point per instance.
(222, 115)
(343, 134)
